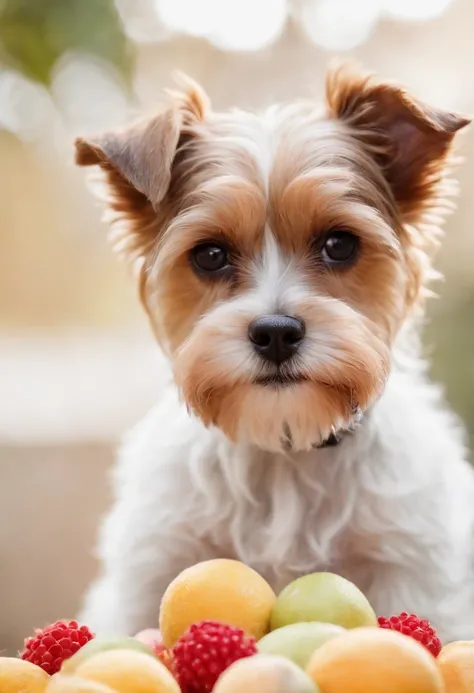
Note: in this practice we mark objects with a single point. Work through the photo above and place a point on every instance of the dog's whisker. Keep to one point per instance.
(287, 440)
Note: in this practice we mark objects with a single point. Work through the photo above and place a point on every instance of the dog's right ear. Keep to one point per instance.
(142, 154)
(137, 163)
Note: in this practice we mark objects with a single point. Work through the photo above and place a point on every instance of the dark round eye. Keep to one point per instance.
(340, 248)
(209, 258)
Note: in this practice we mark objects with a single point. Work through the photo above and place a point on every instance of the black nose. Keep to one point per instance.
(276, 337)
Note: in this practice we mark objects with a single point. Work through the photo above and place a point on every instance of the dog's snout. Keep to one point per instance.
(276, 337)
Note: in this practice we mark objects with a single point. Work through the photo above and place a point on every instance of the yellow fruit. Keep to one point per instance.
(456, 662)
(97, 645)
(62, 683)
(18, 676)
(219, 590)
(128, 671)
(374, 660)
(264, 674)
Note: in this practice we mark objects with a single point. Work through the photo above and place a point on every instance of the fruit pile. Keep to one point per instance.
(223, 630)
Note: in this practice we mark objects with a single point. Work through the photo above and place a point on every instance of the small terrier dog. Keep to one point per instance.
(284, 260)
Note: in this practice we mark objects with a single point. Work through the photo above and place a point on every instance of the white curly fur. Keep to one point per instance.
(391, 508)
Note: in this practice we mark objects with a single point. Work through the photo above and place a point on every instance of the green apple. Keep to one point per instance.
(299, 641)
(97, 645)
(323, 597)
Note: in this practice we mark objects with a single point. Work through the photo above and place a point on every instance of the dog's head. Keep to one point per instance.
(279, 254)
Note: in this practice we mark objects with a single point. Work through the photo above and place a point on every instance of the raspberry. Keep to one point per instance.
(205, 651)
(416, 628)
(50, 646)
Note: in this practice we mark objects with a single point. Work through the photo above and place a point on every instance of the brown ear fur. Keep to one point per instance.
(142, 153)
(137, 162)
(411, 140)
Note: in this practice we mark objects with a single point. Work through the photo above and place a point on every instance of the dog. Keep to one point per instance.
(284, 260)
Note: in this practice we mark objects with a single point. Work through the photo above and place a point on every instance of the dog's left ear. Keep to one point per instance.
(409, 139)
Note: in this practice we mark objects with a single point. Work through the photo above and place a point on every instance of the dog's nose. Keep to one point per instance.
(276, 337)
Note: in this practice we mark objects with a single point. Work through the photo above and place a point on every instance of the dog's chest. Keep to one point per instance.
(283, 515)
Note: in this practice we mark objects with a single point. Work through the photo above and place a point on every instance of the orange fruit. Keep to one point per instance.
(19, 676)
(264, 674)
(62, 683)
(374, 660)
(128, 671)
(456, 662)
(219, 590)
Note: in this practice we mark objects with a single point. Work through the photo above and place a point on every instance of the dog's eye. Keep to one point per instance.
(340, 248)
(209, 258)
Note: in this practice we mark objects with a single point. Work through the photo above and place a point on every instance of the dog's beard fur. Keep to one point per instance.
(373, 162)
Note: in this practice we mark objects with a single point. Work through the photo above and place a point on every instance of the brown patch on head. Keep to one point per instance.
(323, 181)
(228, 211)
(220, 199)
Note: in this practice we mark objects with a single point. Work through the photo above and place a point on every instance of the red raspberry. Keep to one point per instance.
(205, 651)
(416, 628)
(52, 645)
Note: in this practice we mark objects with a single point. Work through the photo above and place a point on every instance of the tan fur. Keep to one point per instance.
(373, 162)
(412, 142)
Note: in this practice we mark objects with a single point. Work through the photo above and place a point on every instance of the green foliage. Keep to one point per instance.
(35, 33)
(450, 339)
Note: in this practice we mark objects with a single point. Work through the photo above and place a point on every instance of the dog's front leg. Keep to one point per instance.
(138, 561)
(428, 591)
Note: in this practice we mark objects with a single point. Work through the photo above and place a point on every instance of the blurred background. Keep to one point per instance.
(77, 363)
